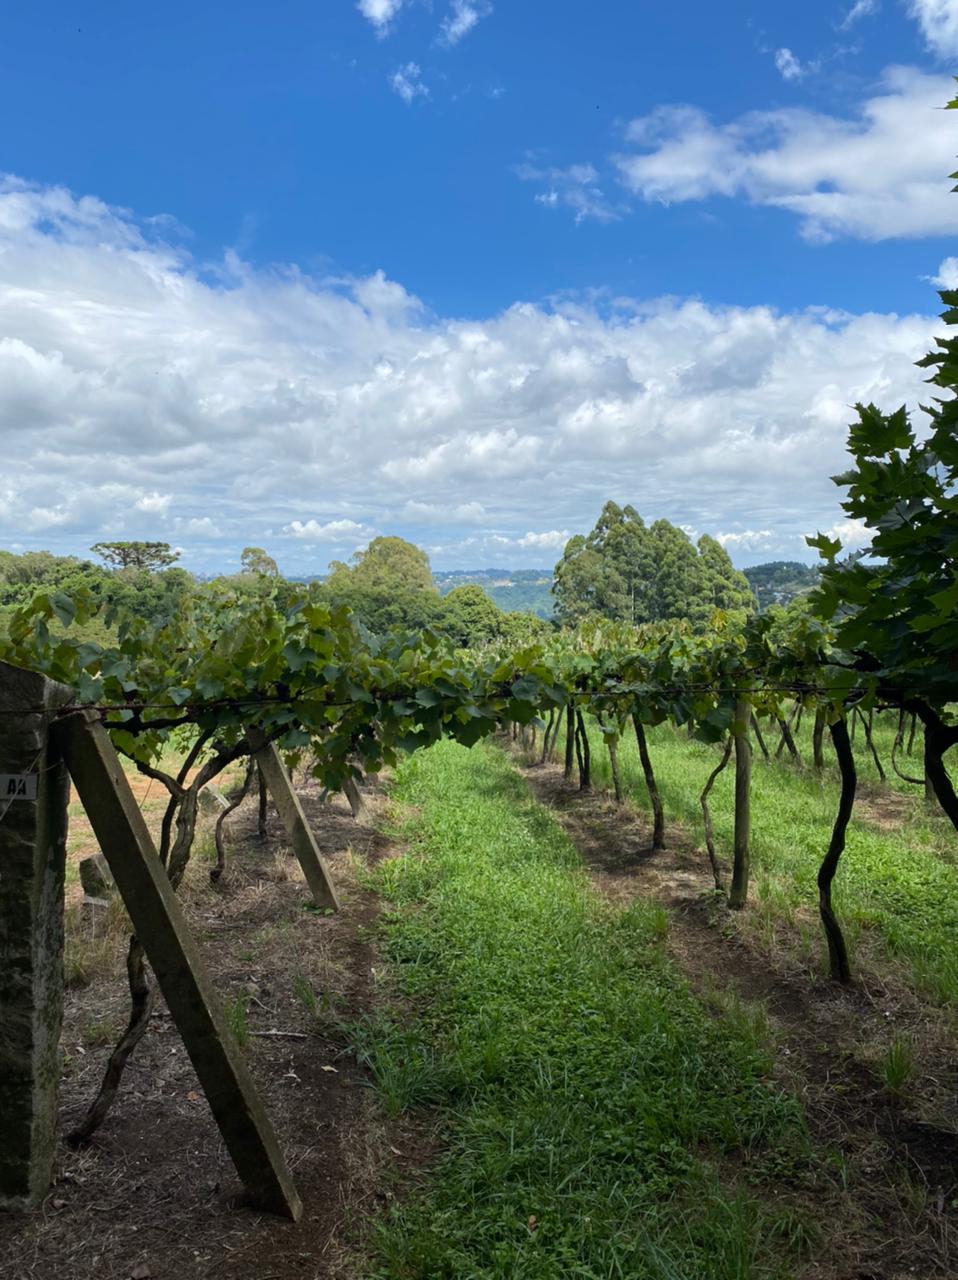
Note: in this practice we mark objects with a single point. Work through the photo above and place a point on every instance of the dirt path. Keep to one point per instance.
(155, 1195)
(886, 1198)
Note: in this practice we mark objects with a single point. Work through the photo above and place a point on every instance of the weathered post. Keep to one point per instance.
(273, 772)
(34, 792)
(176, 961)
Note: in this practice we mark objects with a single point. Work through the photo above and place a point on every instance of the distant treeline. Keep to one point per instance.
(622, 569)
(513, 590)
(387, 585)
(780, 581)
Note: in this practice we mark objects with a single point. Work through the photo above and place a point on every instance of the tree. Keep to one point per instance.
(470, 617)
(608, 572)
(388, 564)
(136, 555)
(627, 571)
(894, 604)
(680, 585)
(256, 560)
(730, 589)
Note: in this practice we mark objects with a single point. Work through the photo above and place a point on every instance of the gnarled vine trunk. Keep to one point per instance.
(838, 965)
(757, 730)
(896, 746)
(870, 741)
(707, 816)
(658, 812)
(938, 738)
(584, 753)
(612, 746)
(219, 831)
(738, 893)
(570, 735)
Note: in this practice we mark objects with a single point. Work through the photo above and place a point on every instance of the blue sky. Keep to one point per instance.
(458, 270)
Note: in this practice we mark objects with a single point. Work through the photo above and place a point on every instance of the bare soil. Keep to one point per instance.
(887, 1196)
(155, 1196)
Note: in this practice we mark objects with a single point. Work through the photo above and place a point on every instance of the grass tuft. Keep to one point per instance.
(237, 1021)
(898, 1065)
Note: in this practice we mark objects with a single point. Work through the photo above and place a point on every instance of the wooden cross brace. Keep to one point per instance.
(181, 973)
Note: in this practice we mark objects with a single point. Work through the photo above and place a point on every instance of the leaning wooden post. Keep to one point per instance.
(294, 820)
(743, 780)
(34, 792)
(180, 971)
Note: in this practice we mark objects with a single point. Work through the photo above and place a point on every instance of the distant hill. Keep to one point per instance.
(781, 580)
(513, 590)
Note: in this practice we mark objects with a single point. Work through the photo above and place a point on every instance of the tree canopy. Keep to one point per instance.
(387, 564)
(136, 555)
(256, 560)
(631, 572)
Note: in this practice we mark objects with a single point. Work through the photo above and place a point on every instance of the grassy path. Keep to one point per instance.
(597, 1122)
(899, 880)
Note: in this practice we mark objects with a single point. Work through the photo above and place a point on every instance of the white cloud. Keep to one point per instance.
(154, 503)
(380, 13)
(788, 66)
(444, 513)
(860, 9)
(553, 540)
(852, 534)
(938, 22)
(407, 82)
(461, 18)
(947, 277)
(333, 409)
(197, 526)
(332, 531)
(747, 540)
(40, 518)
(576, 187)
(877, 176)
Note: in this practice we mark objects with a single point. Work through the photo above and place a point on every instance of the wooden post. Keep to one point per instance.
(34, 792)
(180, 971)
(294, 820)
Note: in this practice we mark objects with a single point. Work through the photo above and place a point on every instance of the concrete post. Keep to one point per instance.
(34, 792)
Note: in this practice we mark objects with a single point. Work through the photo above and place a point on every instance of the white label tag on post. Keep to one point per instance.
(18, 786)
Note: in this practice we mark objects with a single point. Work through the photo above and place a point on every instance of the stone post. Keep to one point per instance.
(34, 792)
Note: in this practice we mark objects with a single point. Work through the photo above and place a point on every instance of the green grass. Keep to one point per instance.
(898, 1065)
(592, 1110)
(902, 883)
(236, 1020)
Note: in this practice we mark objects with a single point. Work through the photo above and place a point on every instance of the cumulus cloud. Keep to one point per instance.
(380, 14)
(444, 513)
(860, 9)
(332, 531)
(142, 396)
(947, 277)
(198, 526)
(462, 17)
(788, 66)
(553, 540)
(407, 82)
(879, 175)
(576, 187)
(852, 534)
(154, 503)
(938, 22)
(747, 540)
